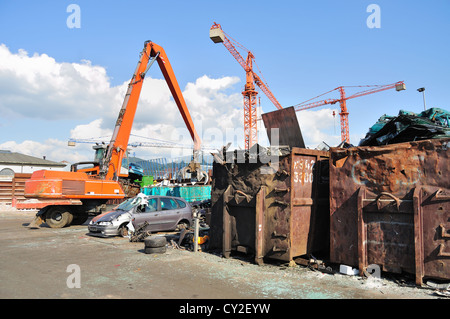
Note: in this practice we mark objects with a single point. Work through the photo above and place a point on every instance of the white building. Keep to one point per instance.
(11, 162)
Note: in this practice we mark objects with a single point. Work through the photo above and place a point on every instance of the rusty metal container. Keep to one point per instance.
(390, 206)
(275, 210)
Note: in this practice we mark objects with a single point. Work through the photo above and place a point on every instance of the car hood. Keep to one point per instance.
(109, 216)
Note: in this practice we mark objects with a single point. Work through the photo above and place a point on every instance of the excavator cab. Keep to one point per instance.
(100, 150)
(94, 170)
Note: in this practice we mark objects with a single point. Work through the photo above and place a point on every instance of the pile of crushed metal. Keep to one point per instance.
(433, 123)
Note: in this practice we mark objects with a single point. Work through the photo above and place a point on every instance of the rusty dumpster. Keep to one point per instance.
(390, 206)
(275, 210)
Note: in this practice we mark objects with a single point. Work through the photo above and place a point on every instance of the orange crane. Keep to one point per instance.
(345, 136)
(63, 198)
(217, 35)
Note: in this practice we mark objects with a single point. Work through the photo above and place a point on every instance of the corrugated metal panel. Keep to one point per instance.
(13, 188)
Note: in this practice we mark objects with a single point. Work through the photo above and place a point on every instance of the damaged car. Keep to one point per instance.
(115, 222)
(162, 213)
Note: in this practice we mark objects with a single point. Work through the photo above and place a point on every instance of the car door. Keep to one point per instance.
(150, 214)
(169, 214)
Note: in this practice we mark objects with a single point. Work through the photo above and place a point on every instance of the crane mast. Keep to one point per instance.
(217, 35)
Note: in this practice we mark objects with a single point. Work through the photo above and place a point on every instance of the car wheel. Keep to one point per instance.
(155, 242)
(182, 225)
(57, 217)
(123, 231)
(155, 250)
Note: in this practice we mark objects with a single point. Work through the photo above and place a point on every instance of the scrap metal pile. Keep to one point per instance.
(408, 126)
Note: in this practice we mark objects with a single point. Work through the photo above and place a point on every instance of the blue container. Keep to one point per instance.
(189, 193)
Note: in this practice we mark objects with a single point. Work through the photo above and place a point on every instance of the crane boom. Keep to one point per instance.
(111, 163)
(217, 35)
(267, 91)
(345, 135)
(62, 196)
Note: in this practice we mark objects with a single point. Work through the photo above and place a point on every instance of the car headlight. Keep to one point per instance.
(104, 223)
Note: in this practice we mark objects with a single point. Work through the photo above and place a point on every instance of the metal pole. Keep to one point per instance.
(424, 104)
(423, 92)
(196, 227)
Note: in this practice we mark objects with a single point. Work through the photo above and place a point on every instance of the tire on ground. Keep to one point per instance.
(155, 250)
(70, 219)
(58, 216)
(155, 242)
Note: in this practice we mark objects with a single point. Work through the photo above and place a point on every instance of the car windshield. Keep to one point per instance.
(130, 203)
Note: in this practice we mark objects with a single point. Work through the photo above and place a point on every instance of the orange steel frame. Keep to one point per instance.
(102, 182)
(121, 135)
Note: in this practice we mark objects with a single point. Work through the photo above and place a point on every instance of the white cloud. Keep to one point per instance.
(92, 129)
(319, 126)
(39, 87)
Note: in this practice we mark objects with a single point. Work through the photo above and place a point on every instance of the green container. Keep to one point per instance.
(147, 181)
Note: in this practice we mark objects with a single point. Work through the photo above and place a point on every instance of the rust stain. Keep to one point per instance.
(293, 213)
(387, 204)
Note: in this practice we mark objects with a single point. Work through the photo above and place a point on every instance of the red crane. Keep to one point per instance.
(217, 35)
(345, 136)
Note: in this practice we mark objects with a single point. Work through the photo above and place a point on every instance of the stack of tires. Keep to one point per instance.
(155, 245)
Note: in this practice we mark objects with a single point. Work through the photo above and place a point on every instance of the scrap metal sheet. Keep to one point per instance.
(285, 120)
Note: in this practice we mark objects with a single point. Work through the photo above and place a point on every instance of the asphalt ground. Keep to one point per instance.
(68, 263)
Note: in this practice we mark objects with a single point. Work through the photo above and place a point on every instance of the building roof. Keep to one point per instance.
(12, 158)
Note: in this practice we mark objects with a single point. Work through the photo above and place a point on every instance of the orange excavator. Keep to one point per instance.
(65, 198)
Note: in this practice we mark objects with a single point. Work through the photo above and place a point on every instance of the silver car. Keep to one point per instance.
(164, 213)
(161, 213)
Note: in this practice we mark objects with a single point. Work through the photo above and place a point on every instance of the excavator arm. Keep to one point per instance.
(62, 196)
(172, 82)
(111, 162)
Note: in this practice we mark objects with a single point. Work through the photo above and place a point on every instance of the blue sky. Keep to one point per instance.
(303, 48)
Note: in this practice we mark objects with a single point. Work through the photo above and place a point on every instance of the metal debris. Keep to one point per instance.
(408, 126)
(139, 234)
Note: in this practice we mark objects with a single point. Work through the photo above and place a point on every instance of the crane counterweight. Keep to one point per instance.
(216, 35)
